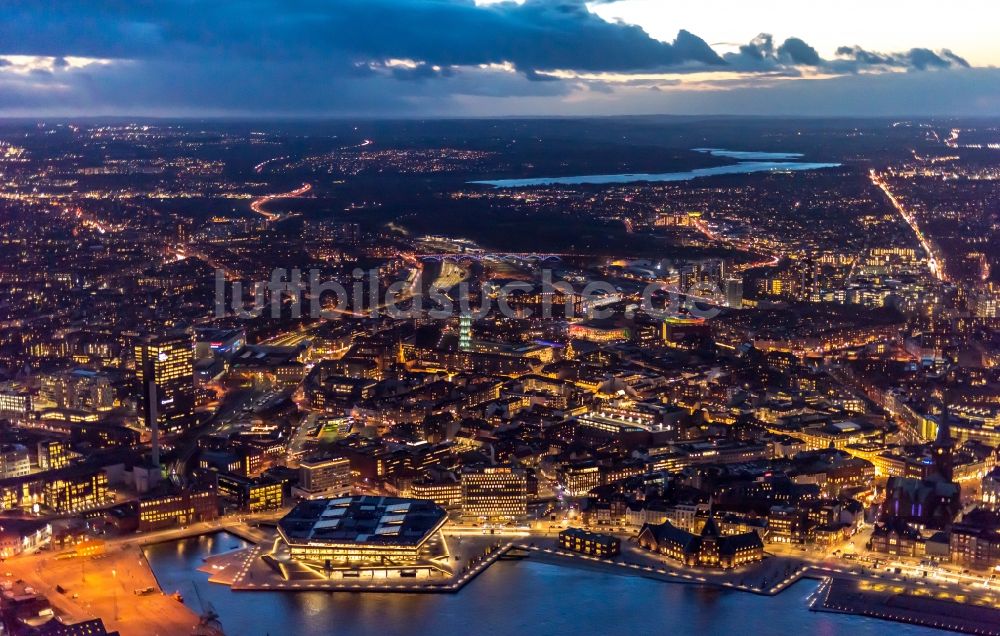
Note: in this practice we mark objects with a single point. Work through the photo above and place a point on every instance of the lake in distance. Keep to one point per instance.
(749, 162)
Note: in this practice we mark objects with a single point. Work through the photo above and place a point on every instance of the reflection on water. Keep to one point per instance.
(510, 598)
(749, 162)
(748, 155)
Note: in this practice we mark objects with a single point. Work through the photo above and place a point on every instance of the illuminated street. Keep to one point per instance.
(520, 318)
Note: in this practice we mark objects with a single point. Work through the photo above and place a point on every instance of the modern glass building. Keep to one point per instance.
(165, 368)
(363, 537)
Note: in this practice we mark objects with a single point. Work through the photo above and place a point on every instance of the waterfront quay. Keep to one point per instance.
(117, 585)
(846, 588)
(893, 602)
(246, 570)
(106, 585)
(859, 591)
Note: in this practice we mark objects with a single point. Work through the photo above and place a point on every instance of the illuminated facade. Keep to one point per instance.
(181, 509)
(975, 541)
(623, 416)
(14, 461)
(53, 454)
(70, 492)
(709, 549)
(21, 536)
(252, 495)
(14, 403)
(495, 494)
(165, 368)
(218, 342)
(577, 481)
(79, 389)
(595, 331)
(897, 539)
(447, 494)
(991, 490)
(589, 543)
(980, 423)
(265, 496)
(465, 333)
(384, 537)
(324, 477)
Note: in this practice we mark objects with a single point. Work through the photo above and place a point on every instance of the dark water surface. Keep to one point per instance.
(748, 163)
(522, 598)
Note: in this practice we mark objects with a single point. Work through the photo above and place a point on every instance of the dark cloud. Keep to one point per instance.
(867, 58)
(798, 52)
(280, 55)
(956, 59)
(538, 34)
(691, 47)
(760, 54)
(925, 58)
(368, 56)
(760, 48)
(919, 59)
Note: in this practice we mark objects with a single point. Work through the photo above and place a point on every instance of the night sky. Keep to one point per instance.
(405, 58)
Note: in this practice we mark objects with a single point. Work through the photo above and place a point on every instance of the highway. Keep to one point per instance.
(933, 261)
(257, 205)
(259, 168)
(262, 166)
(743, 245)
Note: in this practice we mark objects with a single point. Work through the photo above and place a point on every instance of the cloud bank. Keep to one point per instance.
(379, 57)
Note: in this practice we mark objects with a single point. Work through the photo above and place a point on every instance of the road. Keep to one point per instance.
(933, 261)
(232, 406)
(257, 205)
(104, 586)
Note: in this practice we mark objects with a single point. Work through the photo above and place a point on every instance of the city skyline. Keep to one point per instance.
(520, 316)
(350, 358)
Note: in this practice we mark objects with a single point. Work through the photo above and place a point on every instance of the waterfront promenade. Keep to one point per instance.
(858, 589)
(855, 590)
(104, 586)
(891, 602)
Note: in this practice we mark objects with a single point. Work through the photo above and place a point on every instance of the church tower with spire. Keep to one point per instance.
(943, 447)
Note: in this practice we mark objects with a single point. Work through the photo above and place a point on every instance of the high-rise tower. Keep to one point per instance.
(164, 365)
(465, 332)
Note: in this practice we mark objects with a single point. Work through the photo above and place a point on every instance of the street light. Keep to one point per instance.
(114, 587)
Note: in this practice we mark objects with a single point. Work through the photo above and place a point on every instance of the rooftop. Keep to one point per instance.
(369, 520)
